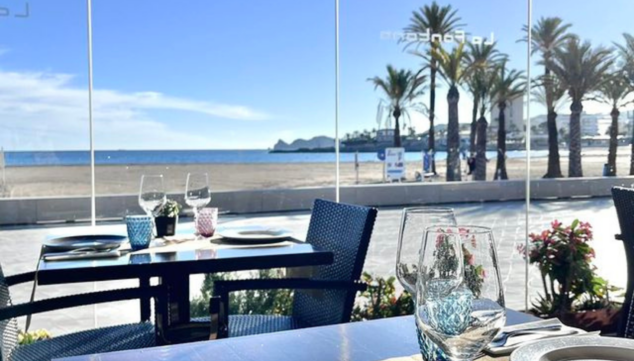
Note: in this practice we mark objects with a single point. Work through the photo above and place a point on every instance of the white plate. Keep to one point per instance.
(254, 233)
(581, 348)
(94, 241)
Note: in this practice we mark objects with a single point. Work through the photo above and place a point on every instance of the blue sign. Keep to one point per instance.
(381, 154)
(426, 163)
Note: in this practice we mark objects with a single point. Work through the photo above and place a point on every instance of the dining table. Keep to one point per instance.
(172, 262)
(375, 340)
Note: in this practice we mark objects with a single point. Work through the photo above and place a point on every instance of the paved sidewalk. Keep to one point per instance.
(19, 248)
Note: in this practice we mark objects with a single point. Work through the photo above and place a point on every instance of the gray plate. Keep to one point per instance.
(583, 348)
(94, 241)
(254, 234)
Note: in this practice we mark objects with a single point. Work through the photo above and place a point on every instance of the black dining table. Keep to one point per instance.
(173, 267)
(358, 341)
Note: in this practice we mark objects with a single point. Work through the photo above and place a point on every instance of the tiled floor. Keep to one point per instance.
(19, 249)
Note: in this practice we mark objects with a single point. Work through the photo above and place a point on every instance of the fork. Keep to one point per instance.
(501, 341)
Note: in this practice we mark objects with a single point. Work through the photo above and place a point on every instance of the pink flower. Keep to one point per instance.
(471, 260)
(440, 239)
(555, 224)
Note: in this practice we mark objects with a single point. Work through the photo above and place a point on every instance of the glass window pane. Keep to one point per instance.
(382, 47)
(575, 123)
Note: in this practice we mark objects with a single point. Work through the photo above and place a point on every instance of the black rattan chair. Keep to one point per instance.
(624, 203)
(107, 339)
(324, 299)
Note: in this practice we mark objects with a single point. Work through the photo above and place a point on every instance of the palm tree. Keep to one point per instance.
(401, 87)
(485, 86)
(613, 91)
(547, 35)
(440, 20)
(507, 86)
(481, 57)
(626, 53)
(453, 69)
(580, 69)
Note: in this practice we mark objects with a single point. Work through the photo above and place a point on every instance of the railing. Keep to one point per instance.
(19, 211)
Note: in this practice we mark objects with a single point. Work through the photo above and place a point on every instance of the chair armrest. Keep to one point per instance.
(219, 303)
(618, 237)
(20, 278)
(224, 287)
(84, 299)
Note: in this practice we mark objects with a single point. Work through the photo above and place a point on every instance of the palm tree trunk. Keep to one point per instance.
(432, 113)
(554, 166)
(453, 136)
(614, 133)
(574, 158)
(481, 150)
(632, 154)
(474, 126)
(500, 168)
(397, 128)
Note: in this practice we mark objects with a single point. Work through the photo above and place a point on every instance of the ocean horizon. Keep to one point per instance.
(218, 156)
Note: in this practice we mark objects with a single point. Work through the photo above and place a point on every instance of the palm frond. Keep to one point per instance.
(452, 66)
(435, 18)
(579, 67)
(401, 86)
(548, 34)
(614, 89)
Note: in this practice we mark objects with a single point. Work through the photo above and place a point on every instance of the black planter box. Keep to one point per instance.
(165, 226)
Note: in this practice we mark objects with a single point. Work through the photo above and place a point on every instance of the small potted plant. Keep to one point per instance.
(167, 219)
(572, 291)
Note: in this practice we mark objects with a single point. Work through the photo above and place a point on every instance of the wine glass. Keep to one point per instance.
(414, 221)
(197, 194)
(152, 195)
(459, 295)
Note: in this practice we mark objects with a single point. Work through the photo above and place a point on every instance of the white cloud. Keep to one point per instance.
(45, 111)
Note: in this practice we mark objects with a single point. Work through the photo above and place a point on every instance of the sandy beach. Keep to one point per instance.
(46, 181)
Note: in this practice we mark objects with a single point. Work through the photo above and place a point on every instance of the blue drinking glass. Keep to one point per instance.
(139, 231)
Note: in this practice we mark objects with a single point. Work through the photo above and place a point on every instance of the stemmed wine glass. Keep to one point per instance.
(197, 194)
(414, 221)
(152, 195)
(459, 294)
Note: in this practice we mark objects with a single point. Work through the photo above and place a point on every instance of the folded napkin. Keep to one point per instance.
(520, 340)
(418, 357)
(71, 256)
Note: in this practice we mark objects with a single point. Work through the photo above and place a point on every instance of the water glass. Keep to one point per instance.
(459, 295)
(414, 221)
(206, 221)
(139, 231)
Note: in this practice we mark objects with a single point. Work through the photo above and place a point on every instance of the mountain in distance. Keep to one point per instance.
(318, 142)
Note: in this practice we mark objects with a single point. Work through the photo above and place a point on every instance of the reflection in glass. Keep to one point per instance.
(414, 221)
(459, 298)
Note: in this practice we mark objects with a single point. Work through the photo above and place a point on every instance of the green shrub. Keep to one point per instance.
(261, 302)
(380, 300)
(27, 338)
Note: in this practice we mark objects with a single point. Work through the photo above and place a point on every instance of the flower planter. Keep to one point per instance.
(165, 226)
(604, 320)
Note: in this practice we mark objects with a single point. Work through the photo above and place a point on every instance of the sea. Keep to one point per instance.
(255, 156)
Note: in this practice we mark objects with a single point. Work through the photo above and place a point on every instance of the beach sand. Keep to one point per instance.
(119, 179)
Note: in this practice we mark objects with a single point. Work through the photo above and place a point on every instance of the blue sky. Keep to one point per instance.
(229, 73)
